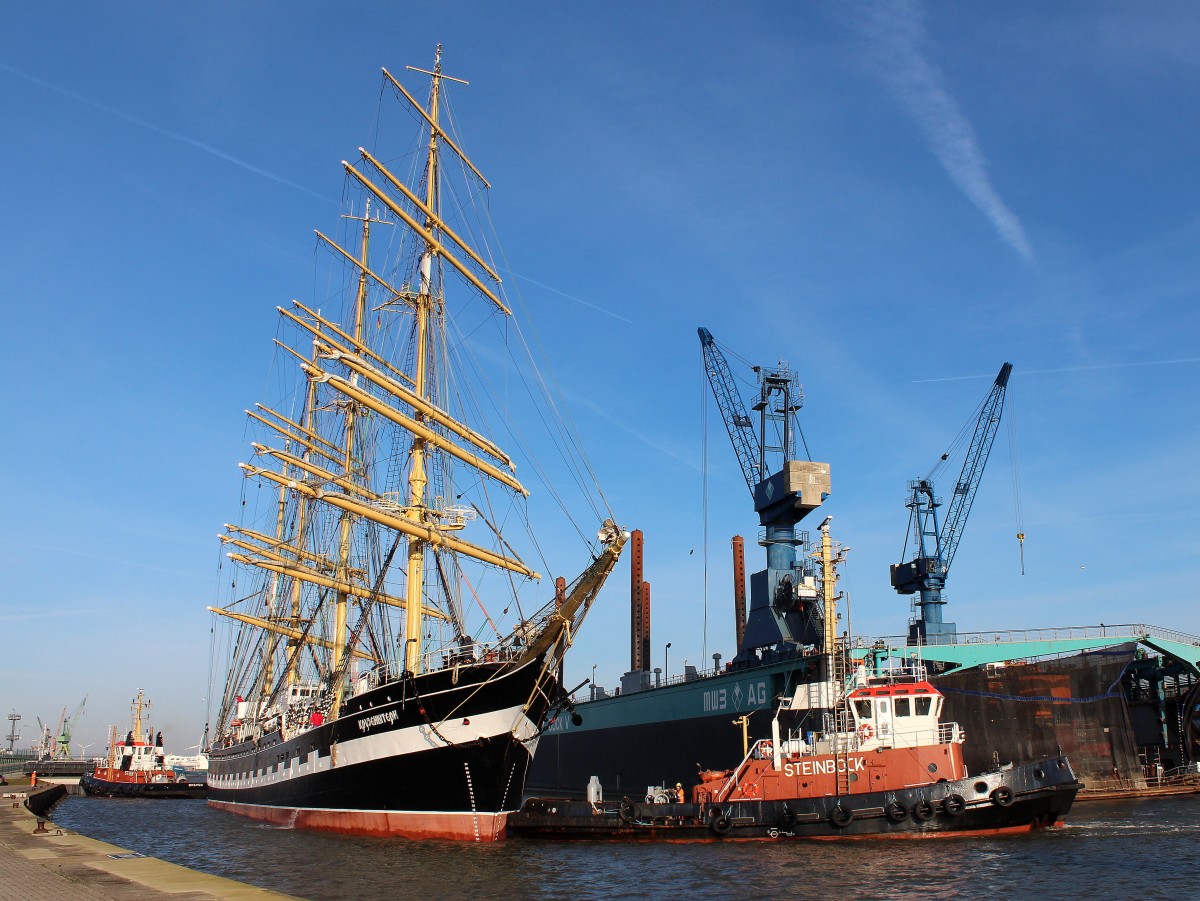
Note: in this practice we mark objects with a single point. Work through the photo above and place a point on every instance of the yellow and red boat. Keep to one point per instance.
(136, 767)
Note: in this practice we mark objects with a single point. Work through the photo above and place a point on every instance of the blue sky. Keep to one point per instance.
(895, 197)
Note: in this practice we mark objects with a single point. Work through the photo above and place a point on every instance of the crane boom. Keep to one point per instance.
(935, 547)
(66, 728)
(733, 410)
(785, 613)
(968, 480)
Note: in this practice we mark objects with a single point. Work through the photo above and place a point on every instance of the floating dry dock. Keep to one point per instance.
(1119, 701)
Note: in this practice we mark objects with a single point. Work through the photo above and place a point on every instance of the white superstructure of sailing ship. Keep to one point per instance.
(392, 652)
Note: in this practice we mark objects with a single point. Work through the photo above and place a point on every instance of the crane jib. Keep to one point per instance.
(936, 545)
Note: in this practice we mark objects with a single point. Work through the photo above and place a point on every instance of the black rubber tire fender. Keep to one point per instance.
(721, 824)
(954, 805)
(1003, 796)
(840, 816)
(896, 812)
(787, 819)
(628, 810)
(923, 811)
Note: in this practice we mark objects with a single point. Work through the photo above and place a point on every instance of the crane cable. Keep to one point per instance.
(1015, 463)
(704, 392)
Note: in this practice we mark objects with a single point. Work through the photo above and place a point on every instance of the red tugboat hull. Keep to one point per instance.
(1017, 799)
(123, 785)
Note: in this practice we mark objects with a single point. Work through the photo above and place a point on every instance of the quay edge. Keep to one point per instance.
(41, 860)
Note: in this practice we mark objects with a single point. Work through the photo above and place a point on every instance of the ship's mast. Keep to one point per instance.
(270, 642)
(293, 646)
(829, 595)
(417, 479)
(348, 467)
(138, 706)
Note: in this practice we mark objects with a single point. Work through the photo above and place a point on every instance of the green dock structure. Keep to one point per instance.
(1121, 701)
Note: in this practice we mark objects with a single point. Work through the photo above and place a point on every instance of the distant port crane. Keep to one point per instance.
(934, 545)
(66, 727)
(784, 615)
(13, 733)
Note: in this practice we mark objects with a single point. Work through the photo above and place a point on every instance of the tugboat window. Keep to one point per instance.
(863, 709)
(903, 707)
(924, 705)
(883, 706)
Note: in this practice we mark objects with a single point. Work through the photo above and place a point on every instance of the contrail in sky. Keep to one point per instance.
(526, 278)
(962, 378)
(107, 559)
(897, 32)
(207, 148)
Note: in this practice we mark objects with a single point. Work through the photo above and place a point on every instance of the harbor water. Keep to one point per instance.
(1110, 849)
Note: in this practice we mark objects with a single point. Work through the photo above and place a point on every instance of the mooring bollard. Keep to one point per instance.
(41, 827)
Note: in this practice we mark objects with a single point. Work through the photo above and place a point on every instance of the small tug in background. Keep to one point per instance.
(136, 767)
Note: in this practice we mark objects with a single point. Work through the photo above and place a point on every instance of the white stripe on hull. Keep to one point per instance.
(395, 743)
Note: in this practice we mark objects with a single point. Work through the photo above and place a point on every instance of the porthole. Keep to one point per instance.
(932, 767)
(1039, 773)
(853, 777)
(981, 787)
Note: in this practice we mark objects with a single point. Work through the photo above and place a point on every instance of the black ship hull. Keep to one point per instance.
(652, 737)
(1020, 799)
(439, 755)
(95, 786)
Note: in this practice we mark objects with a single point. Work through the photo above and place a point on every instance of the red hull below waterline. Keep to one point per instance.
(471, 827)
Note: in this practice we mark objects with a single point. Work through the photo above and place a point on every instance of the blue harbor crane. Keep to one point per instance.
(933, 545)
(785, 613)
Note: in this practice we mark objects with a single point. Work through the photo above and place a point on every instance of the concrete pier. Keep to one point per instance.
(40, 860)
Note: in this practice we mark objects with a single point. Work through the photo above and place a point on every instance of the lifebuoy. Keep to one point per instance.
(896, 812)
(865, 732)
(954, 805)
(923, 811)
(787, 819)
(721, 824)
(1002, 796)
(840, 816)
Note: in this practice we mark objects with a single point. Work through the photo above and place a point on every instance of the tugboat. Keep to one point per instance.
(136, 767)
(885, 766)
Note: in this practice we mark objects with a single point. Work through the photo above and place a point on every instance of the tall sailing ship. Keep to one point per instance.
(388, 672)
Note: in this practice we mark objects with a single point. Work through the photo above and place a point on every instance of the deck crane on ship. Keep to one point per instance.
(934, 544)
(785, 609)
